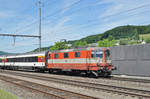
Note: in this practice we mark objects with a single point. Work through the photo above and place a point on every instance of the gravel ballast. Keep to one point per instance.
(98, 94)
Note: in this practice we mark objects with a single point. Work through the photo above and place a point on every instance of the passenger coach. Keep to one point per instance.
(31, 61)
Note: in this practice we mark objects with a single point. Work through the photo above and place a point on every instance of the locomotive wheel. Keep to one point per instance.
(50, 71)
(107, 74)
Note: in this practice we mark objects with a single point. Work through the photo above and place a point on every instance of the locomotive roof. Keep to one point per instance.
(79, 49)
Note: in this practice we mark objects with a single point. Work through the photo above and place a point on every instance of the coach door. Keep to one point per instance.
(47, 56)
(4, 61)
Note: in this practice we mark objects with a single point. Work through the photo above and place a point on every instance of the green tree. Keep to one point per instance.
(79, 44)
(59, 46)
(106, 43)
(76, 44)
(136, 35)
(110, 38)
(84, 43)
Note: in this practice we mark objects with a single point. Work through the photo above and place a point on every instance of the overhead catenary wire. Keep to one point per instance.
(133, 9)
(90, 21)
(56, 12)
(97, 23)
(52, 14)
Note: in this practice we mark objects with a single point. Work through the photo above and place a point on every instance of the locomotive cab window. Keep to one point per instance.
(77, 54)
(107, 52)
(49, 56)
(97, 54)
(56, 55)
(66, 55)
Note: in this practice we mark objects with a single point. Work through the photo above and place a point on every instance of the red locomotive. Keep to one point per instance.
(91, 61)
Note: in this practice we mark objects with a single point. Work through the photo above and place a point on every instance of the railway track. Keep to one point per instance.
(131, 79)
(94, 86)
(50, 92)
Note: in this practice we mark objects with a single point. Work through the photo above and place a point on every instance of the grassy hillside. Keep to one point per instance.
(89, 39)
(121, 33)
(42, 49)
(144, 36)
(126, 31)
(117, 33)
(4, 53)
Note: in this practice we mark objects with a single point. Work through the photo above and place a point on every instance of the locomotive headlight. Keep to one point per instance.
(102, 67)
(106, 68)
(114, 68)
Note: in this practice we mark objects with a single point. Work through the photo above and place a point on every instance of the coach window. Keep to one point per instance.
(28, 59)
(66, 55)
(56, 55)
(77, 54)
(36, 59)
(15, 59)
(33, 59)
(25, 59)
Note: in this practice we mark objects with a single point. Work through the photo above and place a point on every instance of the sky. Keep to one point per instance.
(65, 19)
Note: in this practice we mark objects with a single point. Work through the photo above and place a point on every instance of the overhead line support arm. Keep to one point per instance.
(16, 35)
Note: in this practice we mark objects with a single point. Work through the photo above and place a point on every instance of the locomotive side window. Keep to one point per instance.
(77, 54)
(66, 55)
(56, 55)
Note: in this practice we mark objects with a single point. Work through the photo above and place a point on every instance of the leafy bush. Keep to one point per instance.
(79, 44)
(59, 46)
(123, 42)
(147, 40)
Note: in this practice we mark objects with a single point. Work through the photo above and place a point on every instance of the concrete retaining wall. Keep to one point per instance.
(131, 60)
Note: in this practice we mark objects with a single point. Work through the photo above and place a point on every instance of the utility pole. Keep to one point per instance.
(35, 36)
(40, 7)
